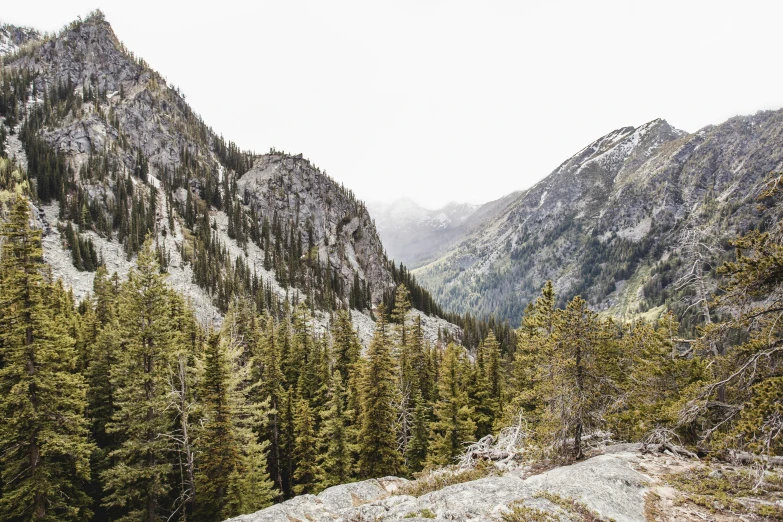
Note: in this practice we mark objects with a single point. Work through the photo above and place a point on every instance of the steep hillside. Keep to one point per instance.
(116, 155)
(609, 222)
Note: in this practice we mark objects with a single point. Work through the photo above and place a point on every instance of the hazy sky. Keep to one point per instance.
(445, 100)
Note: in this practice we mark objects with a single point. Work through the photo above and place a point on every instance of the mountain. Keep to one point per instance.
(117, 155)
(609, 222)
(415, 235)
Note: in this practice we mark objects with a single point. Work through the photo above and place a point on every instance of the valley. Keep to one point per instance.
(193, 331)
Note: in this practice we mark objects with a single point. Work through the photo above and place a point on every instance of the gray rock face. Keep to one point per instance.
(607, 484)
(142, 112)
(611, 215)
(327, 216)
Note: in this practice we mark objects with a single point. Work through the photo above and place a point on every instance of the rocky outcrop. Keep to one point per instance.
(325, 214)
(608, 484)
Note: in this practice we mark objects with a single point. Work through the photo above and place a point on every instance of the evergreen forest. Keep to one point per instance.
(123, 407)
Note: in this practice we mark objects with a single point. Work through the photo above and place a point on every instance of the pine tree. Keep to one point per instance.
(740, 402)
(44, 449)
(270, 388)
(218, 448)
(494, 377)
(533, 358)
(335, 454)
(345, 345)
(377, 442)
(249, 486)
(418, 448)
(138, 484)
(306, 471)
(453, 425)
(579, 383)
(402, 305)
(654, 379)
(479, 393)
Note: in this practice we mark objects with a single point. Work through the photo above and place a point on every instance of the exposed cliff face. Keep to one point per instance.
(607, 223)
(140, 112)
(332, 220)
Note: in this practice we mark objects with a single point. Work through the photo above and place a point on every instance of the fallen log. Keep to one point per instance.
(746, 458)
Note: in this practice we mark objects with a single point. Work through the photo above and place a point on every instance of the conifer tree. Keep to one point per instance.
(418, 448)
(494, 377)
(138, 484)
(335, 454)
(402, 305)
(249, 486)
(44, 449)
(578, 385)
(218, 447)
(655, 378)
(271, 380)
(479, 394)
(378, 446)
(287, 441)
(741, 400)
(346, 350)
(452, 426)
(532, 358)
(306, 471)
(345, 345)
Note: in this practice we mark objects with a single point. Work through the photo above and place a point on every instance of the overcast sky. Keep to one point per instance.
(445, 100)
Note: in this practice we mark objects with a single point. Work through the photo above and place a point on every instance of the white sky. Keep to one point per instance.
(445, 100)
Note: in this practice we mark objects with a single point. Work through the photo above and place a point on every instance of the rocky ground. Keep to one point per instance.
(621, 483)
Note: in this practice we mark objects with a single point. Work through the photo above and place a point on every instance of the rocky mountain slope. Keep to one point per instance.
(127, 140)
(609, 222)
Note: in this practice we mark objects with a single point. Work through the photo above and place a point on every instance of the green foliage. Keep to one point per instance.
(435, 480)
(220, 458)
(336, 436)
(138, 484)
(378, 455)
(44, 448)
(306, 472)
(719, 491)
(655, 381)
(452, 425)
(563, 508)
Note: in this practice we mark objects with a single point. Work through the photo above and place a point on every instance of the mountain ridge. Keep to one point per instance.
(115, 121)
(608, 219)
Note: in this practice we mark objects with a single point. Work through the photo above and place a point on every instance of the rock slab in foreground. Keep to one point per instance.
(607, 484)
